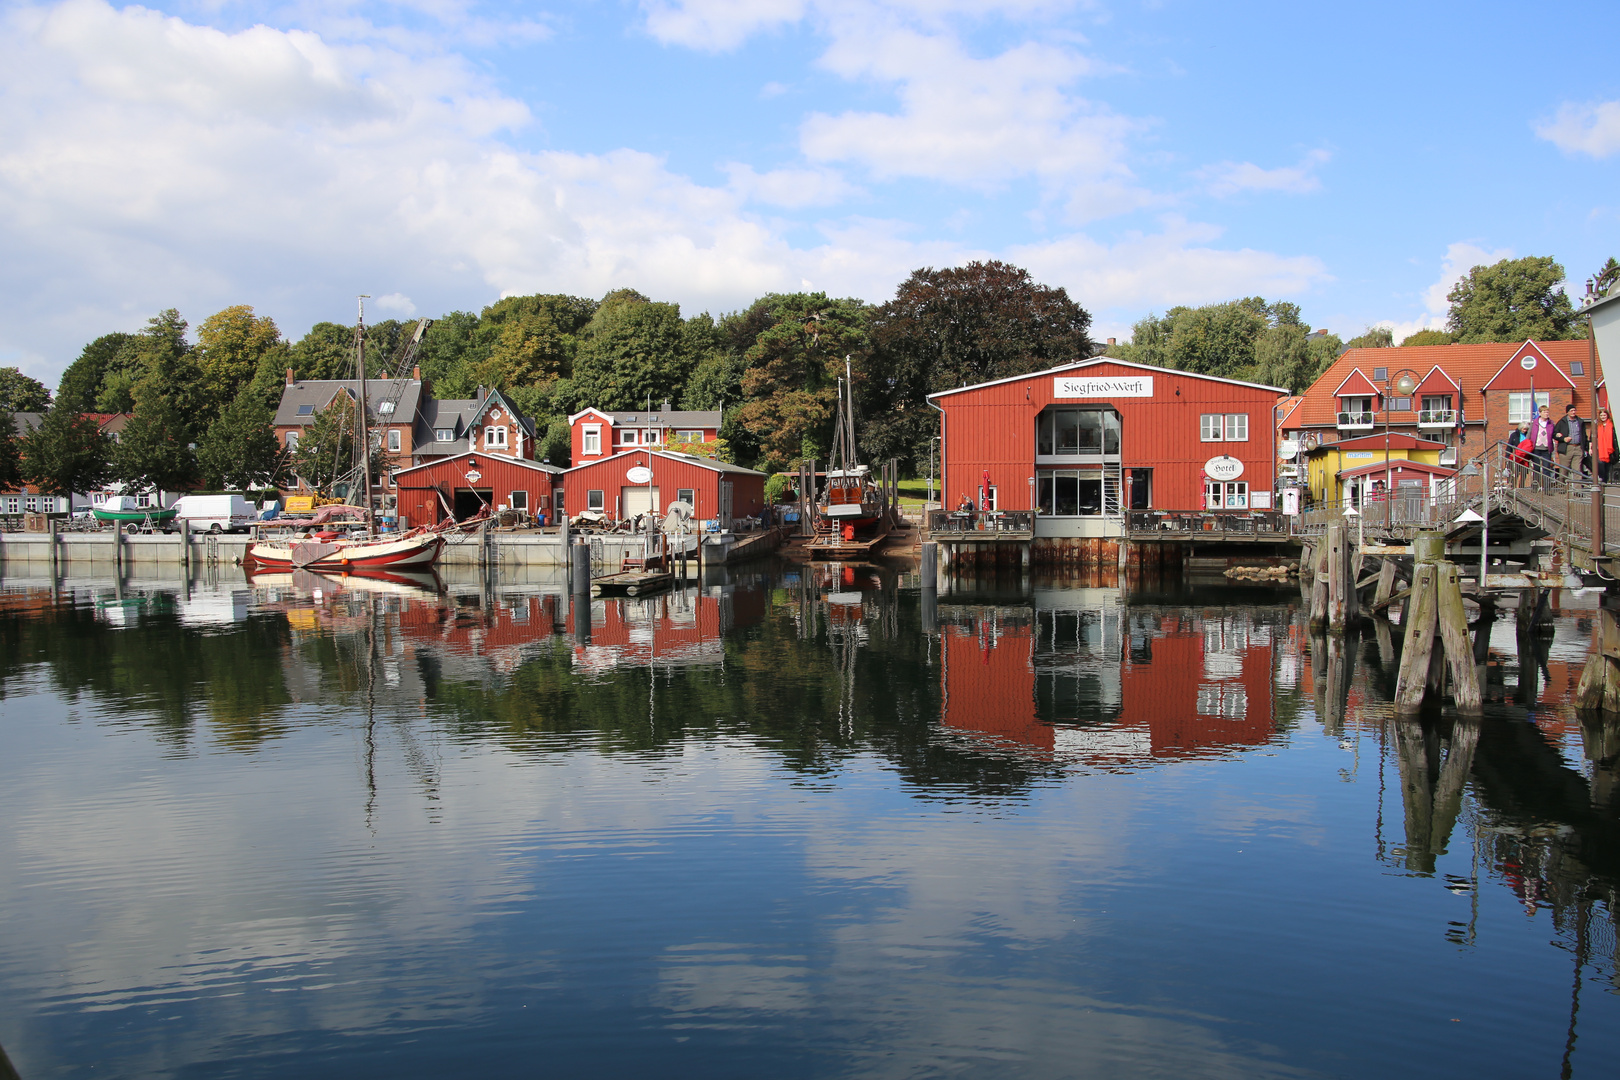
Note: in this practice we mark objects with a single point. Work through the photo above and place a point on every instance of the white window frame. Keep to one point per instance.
(393, 440)
(519, 500)
(494, 438)
(628, 437)
(1520, 410)
(652, 437)
(13, 505)
(596, 500)
(31, 504)
(688, 496)
(1237, 427)
(1212, 427)
(143, 500)
(1226, 495)
(444, 434)
(592, 441)
(292, 440)
(690, 436)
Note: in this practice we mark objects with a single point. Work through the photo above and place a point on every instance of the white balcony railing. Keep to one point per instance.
(1355, 421)
(1437, 418)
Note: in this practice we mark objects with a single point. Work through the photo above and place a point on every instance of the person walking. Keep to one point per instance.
(1569, 436)
(1541, 448)
(1605, 451)
(1518, 446)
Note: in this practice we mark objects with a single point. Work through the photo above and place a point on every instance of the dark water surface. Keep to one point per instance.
(788, 823)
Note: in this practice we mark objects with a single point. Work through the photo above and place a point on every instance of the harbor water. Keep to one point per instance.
(787, 821)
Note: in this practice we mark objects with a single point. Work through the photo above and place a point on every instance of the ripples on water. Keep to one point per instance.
(788, 822)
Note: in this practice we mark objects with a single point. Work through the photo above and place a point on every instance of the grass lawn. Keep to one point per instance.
(914, 492)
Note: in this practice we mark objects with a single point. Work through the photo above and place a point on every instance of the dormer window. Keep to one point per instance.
(386, 408)
(306, 410)
(444, 434)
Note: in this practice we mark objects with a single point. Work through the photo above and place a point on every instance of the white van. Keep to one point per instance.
(216, 513)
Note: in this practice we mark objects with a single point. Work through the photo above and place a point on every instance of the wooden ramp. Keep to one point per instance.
(632, 583)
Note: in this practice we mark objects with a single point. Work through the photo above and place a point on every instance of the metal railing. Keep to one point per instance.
(1242, 523)
(1437, 418)
(1540, 492)
(985, 521)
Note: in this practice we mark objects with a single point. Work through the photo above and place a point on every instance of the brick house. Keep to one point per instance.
(596, 434)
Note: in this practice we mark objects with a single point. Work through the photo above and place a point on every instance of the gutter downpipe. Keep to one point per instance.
(943, 487)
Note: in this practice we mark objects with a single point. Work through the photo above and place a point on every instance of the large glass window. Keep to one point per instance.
(1069, 493)
(1076, 432)
(593, 500)
(593, 439)
(1141, 489)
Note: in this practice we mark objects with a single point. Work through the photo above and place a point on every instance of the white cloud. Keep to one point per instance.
(790, 187)
(1232, 177)
(717, 25)
(1459, 259)
(398, 303)
(1592, 128)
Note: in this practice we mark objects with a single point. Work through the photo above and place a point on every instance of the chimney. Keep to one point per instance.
(1322, 332)
(478, 395)
(666, 404)
(416, 373)
(289, 377)
(1110, 343)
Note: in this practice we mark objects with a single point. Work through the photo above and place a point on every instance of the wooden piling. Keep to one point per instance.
(1453, 622)
(1436, 611)
(1411, 682)
(1599, 688)
(1386, 584)
(1340, 583)
(1319, 587)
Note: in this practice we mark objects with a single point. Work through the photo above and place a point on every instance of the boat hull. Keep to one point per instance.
(140, 517)
(415, 552)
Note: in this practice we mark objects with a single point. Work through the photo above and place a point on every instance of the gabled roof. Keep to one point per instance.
(1398, 440)
(685, 459)
(501, 458)
(1522, 368)
(1436, 382)
(1094, 361)
(1471, 366)
(318, 394)
(1396, 465)
(676, 418)
(1356, 384)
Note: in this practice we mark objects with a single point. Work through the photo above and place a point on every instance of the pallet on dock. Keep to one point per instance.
(632, 583)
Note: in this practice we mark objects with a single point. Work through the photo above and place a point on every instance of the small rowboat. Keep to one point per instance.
(411, 551)
(121, 510)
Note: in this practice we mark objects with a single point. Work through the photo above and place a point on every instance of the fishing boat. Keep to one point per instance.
(121, 510)
(329, 540)
(853, 513)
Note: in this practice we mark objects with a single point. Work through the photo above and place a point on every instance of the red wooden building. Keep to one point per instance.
(465, 483)
(1087, 443)
(716, 490)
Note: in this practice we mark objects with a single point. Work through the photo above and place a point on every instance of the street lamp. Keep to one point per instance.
(1402, 383)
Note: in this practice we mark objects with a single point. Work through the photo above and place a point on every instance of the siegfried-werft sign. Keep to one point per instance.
(1117, 387)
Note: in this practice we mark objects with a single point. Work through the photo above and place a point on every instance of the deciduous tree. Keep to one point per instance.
(232, 347)
(67, 453)
(81, 383)
(1513, 300)
(632, 354)
(239, 449)
(20, 393)
(10, 457)
(1428, 337)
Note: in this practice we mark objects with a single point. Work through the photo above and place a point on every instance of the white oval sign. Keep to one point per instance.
(473, 476)
(1527, 361)
(640, 474)
(1223, 468)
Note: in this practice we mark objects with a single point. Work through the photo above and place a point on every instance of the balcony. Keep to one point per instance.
(1448, 457)
(1437, 418)
(1356, 421)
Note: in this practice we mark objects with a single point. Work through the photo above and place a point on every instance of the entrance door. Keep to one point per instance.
(469, 502)
(640, 500)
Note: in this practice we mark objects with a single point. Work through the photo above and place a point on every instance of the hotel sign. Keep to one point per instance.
(1118, 387)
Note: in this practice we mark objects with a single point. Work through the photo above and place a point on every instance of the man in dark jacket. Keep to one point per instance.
(1569, 436)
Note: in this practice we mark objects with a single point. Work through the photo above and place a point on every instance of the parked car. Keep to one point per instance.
(216, 513)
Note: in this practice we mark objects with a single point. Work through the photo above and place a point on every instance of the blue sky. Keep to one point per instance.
(1354, 159)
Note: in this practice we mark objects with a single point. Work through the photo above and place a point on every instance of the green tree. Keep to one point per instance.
(1607, 275)
(1428, 337)
(233, 346)
(793, 367)
(1374, 337)
(10, 454)
(955, 327)
(1513, 300)
(81, 383)
(556, 444)
(632, 353)
(20, 393)
(326, 352)
(326, 448)
(240, 450)
(449, 350)
(67, 453)
(156, 448)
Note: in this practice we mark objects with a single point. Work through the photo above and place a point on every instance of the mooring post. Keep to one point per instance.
(1599, 687)
(1421, 611)
(1343, 607)
(118, 546)
(185, 545)
(1453, 620)
(50, 528)
(1385, 588)
(929, 567)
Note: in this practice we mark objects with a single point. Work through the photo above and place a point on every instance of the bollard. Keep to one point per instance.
(930, 565)
(185, 545)
(581, 569)
(51, 528)
(930, 609)
(582, 618)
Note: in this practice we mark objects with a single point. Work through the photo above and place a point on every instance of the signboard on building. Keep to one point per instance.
(1126, 386)
(640, 474)
(1223, 468)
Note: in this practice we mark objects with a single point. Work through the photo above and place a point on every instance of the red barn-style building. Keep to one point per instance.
(465, 483)
(1087, 443)
(599, 433)
(717, 490)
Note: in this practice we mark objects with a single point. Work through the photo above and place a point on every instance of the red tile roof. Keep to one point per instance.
(1470, 366)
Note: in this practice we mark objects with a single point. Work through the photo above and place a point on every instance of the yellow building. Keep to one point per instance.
(1326, 464)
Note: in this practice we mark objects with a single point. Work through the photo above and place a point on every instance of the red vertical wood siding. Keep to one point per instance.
(669, 475)
(993, 429)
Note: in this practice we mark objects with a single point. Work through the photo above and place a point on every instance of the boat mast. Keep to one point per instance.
(360, 416)
(849, 413)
